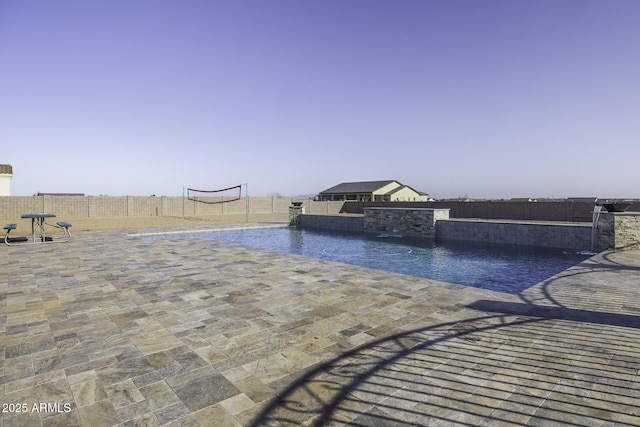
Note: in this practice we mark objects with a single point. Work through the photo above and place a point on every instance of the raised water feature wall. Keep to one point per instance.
(613, 231)
(295, 210)
(417, 221)
(351, 223)
(548, 235)
(618, 230)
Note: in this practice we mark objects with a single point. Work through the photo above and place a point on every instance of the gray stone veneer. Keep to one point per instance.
(351, 223)
(614, 231)
(416, 221)
(549, 235)
(618, 230)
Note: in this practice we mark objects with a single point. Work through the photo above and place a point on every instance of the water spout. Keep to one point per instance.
(594, 226)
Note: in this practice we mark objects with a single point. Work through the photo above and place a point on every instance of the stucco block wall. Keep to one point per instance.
(529, 211)
(12, 207)
(322, 207)
(106, 206)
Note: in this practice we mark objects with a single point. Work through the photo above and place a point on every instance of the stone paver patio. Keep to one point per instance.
(112, 330)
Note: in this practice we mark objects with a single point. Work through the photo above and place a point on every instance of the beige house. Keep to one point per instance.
(6, 173)
(373, 191)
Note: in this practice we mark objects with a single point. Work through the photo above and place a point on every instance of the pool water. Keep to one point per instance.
(504, 268)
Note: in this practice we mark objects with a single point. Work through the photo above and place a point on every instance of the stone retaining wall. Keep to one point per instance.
(414, 222)
(564, 236)
(332, 222)
(618, 230)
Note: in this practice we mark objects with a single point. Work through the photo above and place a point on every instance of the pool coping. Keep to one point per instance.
(204, 230)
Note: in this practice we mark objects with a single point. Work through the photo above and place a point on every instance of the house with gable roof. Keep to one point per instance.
(373, 191)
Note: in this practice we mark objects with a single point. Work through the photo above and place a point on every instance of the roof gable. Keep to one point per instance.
(395, 190)
(403, 187)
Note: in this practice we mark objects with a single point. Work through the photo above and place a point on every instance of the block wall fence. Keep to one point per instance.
(11, 207)
(558, 210)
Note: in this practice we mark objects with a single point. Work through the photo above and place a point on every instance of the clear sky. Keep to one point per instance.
(483, 98)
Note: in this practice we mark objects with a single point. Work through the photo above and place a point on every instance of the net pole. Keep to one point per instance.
(183, 189)
(246, 195)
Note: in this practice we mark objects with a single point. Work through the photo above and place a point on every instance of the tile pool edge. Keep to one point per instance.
(204, 230)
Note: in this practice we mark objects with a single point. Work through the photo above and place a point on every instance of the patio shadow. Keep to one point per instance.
(524, 366)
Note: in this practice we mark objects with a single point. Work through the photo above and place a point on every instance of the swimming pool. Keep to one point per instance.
(503, 268)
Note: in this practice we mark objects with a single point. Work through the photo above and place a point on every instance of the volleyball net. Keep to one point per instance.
(212, 197)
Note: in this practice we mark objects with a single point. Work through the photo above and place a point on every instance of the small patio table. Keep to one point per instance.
(38, 222)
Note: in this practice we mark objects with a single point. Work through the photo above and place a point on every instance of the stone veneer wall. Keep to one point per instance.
(618, 230)
(563, 236)
(332, 222)
(416, 221)
(435, 225)
(614, 231)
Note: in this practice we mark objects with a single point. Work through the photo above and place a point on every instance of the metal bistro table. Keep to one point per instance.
(38, 222)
